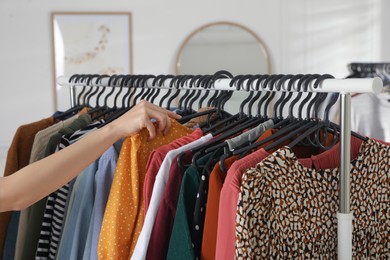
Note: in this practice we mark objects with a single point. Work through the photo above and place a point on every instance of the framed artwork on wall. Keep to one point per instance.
(89, 43)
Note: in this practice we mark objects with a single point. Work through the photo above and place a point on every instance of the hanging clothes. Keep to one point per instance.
(75, 230)
(103, 181)
(37, 153)
(18, 156)
(165, 217)
(140, 250)
(231, 189)
(152, 199)
(201, 199)
(156, 159)
(180, 243)
(296, 205)
(216, 180)
(126, 196)
(50, 211)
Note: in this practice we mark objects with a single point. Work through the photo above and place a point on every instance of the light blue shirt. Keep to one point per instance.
(79, 213)
(103, 181)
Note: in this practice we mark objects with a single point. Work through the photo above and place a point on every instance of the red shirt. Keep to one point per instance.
(163, 225)
(217, 177)
(156, 158)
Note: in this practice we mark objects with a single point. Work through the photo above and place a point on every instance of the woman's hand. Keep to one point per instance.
(140, 117)
(39, 179)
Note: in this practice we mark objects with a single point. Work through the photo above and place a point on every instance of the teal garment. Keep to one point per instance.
(80, 207)
(180, 243)
(37, 209)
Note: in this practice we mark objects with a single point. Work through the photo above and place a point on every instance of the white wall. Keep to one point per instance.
(303, 36)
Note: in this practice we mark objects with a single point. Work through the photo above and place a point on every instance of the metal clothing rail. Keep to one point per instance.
(342, 86)
(356, 85)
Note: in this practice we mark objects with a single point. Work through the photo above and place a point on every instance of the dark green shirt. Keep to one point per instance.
(180, 243)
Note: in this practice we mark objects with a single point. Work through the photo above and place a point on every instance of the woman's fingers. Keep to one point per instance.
(162, 116)
(173, 115)
(151, 129)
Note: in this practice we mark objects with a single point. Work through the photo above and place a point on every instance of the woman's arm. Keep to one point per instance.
(39, 179)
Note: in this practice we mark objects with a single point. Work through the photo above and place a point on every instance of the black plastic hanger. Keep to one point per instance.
(122, 85)
(258, 79)
(193, 92)
(325, 126)
(189, 113)
(149, 91)
(217, 101)
(161, 83)
(131, 90)
(81, 79)
(290, 122)
(232, 118)
(88, 99)
(237, 126)
(127, 96)
(257, 119)
(138, 83)
(303, 124)
(303, 121)
(315, 103)
(196, 82)
(98, 107)
(290, 93)
(333, 100)
(79, 105)
(216, 144)
(107, 110)
(187, 92)
(271, 84)
(157, 88)
(206, 86)
(174, 84)
(91, 90)
(228, 153)
(116, 111)
(125, 105)
(207, 82)
(199, 151)
(282, 97)
(268, 85)
(140, 90)
(278, 86)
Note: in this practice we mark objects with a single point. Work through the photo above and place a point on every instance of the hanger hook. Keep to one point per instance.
(299, 95)
(282, 96)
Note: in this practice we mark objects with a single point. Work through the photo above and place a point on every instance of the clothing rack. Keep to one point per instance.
(342, 86)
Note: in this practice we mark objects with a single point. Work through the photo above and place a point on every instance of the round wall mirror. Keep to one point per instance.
(223, 46)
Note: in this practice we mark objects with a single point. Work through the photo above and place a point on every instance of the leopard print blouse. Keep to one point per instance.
(288, 211)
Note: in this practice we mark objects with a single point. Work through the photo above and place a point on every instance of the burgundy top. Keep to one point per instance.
(162, 229)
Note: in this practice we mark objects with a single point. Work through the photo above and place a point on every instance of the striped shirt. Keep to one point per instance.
(56, 205)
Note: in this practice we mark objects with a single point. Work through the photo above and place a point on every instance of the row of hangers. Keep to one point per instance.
(306, 128)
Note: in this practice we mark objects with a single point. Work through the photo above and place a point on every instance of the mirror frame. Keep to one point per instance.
(192, 34)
